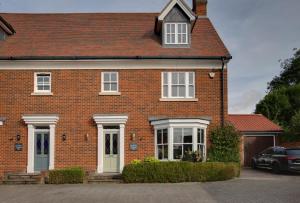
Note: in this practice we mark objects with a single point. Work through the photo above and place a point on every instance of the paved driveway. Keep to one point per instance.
(253, 186)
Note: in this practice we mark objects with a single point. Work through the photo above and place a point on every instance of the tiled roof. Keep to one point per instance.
(253, 123)
(103, 35)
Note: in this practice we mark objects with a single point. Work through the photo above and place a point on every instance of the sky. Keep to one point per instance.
(258, 34)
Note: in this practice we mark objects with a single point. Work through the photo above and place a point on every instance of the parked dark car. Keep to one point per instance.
(278, 159)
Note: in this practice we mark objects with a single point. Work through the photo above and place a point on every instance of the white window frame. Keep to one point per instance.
(102, 82)
(169, 85)
(36, 90)
(182, 143)
(162, 144)
(176, 33)
(170, 124)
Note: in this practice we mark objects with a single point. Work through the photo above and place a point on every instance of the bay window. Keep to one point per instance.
(175, 137)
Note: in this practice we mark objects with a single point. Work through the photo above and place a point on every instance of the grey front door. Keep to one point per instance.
(111, 151)
(41, 155)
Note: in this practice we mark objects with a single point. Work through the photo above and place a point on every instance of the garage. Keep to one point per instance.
(258, 133)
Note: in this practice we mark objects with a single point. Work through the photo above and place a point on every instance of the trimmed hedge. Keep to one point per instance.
(66, 176)
(175, 172)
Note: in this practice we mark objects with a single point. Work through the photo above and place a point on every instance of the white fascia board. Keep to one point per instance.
(149, 64)
(169, 7)
(181, 122)
(110, 119)
(40, 119)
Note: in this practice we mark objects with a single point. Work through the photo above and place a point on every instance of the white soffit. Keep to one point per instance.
(181, 4)
(180, 122)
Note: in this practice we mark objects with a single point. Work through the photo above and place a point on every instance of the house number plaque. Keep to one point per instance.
(133, 147)
(18, 147)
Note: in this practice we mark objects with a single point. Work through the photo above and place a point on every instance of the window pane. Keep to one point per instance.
(40, 87)
(174, 78)
(38, 144)
(46, 144)
(46, 79)
(113, 77)
(188, 135)
(159, 136)
(187, 148)
(107, 144)
(191, 91)
(106, 77)
(160, 151)
(168, 28)
(184, 38)
(177, 151)
(165, 78)
(191, 78)
(177, 135)
(165, 150)
(165, 91)
(46, 87)
(181, 91)
(165, 136)
(106, 87)
(115, 143)
(174, 91)
(173, 38)
(181, 78)
(39, 79)
(172, 28)
(201, 149)
(179, 28)
(179, 38)
(184, 26)
(114, 87)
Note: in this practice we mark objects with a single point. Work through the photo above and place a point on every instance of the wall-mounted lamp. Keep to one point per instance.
(64, 137)
(133, 136)
(87, 137)
(212, 75)
(18, 137)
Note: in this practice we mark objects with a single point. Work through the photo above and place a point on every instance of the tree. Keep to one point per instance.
(290, 74)
(282, 102)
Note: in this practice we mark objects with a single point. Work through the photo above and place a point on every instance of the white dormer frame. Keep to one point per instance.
(181, 4)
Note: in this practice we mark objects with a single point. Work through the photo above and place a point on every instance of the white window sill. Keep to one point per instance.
(42, 94)
(110, 93)
(178, 100)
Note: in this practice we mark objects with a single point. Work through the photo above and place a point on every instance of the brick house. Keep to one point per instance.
(98, 90)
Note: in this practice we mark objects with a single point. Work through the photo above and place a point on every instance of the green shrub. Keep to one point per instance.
(174, 172)
(136, 161)
(150, 159)
(225, 145)
(66, 176)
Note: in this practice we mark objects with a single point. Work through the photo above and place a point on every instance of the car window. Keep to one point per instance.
(293, 152)
(268, 151)
(279, 151)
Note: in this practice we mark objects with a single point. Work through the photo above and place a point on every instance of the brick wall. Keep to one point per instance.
(76, 99)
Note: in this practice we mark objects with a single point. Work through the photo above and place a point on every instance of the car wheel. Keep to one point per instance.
(253, 165)
(276, 168)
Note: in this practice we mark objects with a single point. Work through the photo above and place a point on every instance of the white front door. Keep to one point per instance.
(111, 151)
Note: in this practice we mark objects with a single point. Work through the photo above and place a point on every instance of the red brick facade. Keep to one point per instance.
(76, 99)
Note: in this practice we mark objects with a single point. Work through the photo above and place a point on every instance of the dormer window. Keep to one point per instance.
(176, 33)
